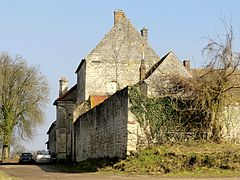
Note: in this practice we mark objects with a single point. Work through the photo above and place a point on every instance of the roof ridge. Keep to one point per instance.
(156, 65)
(65, 94)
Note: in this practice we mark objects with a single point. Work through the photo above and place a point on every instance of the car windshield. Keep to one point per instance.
(43, 153)
(26, 154)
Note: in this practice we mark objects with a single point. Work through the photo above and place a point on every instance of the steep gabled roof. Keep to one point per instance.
(125, 41)
(169, 56)
(51, 127)
(80, 65)
(155, 66)
(70, 95)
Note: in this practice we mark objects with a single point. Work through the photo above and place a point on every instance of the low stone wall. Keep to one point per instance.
(136, 135)
(231, 123)
(102, 131)
(61, 143)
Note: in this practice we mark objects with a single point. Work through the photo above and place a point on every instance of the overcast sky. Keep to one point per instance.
(56, 34)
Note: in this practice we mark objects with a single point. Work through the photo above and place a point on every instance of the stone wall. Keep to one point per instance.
(116, 60)
(169, 66)
(104, 78)
(52, 138)
(81, 81)
(61, 143)
(231, 123)
(65, 112)
(61, 133)
(102, 131)
(136, 135)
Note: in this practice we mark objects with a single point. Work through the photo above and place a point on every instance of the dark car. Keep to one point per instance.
(26, 158)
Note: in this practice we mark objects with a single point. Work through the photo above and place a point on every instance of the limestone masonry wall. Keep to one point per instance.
(116, 59)
(102, 131)
(170, 67)
(231, 123)
(52, 140)
(81, 81)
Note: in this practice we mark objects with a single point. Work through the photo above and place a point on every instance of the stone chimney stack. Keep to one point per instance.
(144, 34)
(63, 86)
(118, 14)
(186, 64)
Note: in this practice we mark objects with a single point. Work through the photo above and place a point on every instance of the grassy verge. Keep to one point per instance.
(186, 160)
(4, 176)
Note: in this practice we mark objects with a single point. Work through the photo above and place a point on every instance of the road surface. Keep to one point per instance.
(42, 172)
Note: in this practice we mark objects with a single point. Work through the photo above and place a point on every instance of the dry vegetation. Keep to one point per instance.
(192, 159)
(189, 158)
(191, 108)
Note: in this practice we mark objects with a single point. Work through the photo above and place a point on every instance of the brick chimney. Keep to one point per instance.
(118, 14)
(186, 64)
(63, 86)
(144, 34)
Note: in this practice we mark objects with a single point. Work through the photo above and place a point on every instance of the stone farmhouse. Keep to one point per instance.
(93, 119)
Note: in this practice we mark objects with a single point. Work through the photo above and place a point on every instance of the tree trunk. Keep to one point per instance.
(5, 152)
(216, 127)
(6, 146)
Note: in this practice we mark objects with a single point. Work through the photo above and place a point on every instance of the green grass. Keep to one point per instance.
(195, 159)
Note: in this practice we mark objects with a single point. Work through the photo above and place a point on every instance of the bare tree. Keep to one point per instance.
(23, 94)
(217, 85)
(194, 105)
(214, 86)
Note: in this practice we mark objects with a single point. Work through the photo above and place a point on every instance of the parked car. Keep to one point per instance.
(43, 156)
(26, 158)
